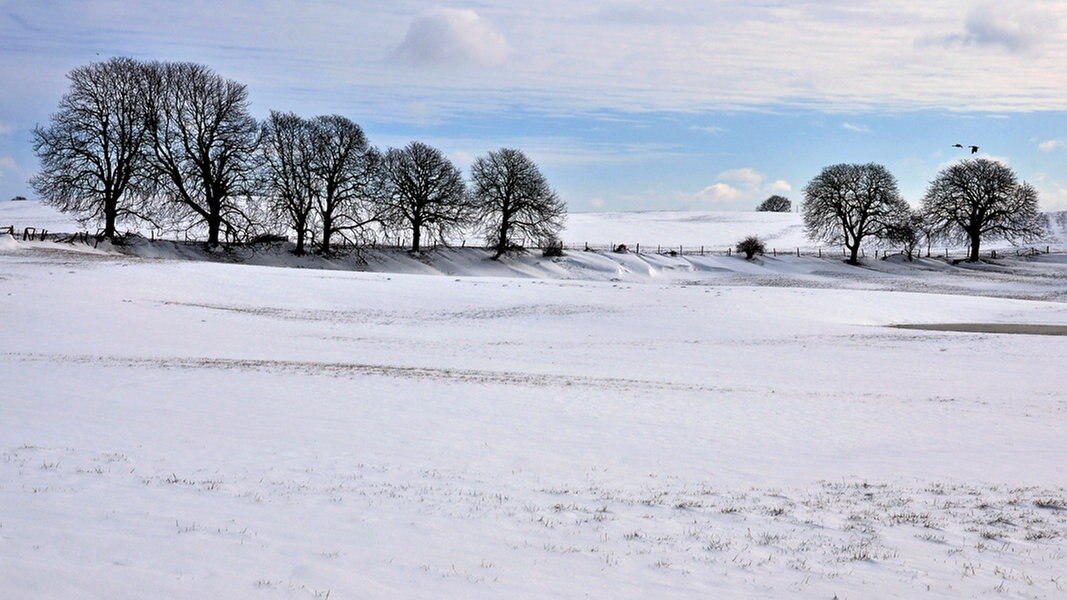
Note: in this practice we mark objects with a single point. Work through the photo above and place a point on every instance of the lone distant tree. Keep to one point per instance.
(203, 143)
(514, 202)
(92, 152)
(847, 203)
(981, 198)
(424, 193)
(775, 203)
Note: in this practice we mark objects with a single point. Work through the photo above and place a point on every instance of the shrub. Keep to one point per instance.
(751, 246)
(553, 248)
(775, 204)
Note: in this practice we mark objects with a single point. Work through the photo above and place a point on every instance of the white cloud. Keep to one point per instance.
(748, 177)
(1052, 196)
(565, 57)
(709, 129)
(719, 192)
(1050, 145)
(6, 128)
(452, 38)
(856, 128)
(741, 185)
(780, 186)
(1006, 27)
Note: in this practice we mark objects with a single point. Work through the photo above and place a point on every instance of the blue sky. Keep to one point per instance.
(703, 104)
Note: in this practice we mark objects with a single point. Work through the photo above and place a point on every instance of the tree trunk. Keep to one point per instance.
(976, 242)
(854, 251)
(110, 210)
(214, 224)
(502, 242)
(416, 237)
(327, 233)
(301, 233)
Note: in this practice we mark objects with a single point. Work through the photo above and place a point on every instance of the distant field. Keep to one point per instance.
(673, 228)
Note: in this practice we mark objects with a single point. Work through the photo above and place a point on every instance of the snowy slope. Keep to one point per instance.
(31, 213)
(674, 228)
(211, 430)
(1057, 227)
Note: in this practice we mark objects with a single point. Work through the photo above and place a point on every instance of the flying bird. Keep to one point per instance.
(957, 145)
(974, 149)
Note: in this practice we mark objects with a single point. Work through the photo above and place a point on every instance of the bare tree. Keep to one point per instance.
(846, 203)
(514, 201)
(344, 184)
(909, 230)
(92, 152)
(286, 173)
(203, 143)
(981, 198)
(423, 193)
(775, 203)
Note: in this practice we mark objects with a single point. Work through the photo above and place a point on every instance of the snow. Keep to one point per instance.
(718, 230)
(32, 213)
(604, 425)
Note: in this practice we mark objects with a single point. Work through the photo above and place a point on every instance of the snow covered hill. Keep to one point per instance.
(200, 429)
(598, 425)
(673, 228)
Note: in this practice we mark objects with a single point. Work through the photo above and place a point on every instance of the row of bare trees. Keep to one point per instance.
(173, 144)
(968, 202)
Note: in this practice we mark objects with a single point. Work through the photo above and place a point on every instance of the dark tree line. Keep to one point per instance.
(970, 201)
(174, 144)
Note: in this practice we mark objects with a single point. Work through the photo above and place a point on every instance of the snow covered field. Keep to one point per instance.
(696, 228)
(601, 426)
